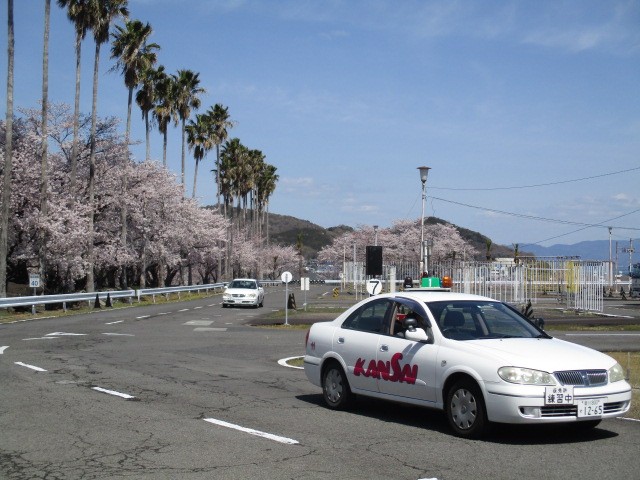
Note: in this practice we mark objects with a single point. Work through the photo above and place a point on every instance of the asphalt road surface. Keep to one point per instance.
(191, 391)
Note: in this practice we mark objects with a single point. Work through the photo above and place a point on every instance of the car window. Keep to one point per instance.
(370, 317)
(470, 320)
(401, 312)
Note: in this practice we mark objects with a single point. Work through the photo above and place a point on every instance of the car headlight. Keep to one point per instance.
(616, 373)
(252, 295)
(525, 376)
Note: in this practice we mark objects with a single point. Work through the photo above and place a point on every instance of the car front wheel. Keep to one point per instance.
(335, 387)
(465, 409)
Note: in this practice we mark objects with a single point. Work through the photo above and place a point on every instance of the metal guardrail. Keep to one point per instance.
(64, 299)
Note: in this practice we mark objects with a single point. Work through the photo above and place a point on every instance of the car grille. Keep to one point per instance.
(238, 295)
(582, 378)
(572, 410)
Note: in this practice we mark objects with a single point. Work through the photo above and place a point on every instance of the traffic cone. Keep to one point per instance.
(97, 302)
(108, 304)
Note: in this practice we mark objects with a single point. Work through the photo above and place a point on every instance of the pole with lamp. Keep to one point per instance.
(424, 173)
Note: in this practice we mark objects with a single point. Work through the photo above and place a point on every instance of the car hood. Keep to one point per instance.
(548, 354)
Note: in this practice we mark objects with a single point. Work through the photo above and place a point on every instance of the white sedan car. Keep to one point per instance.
(477, 359)
(244, 292)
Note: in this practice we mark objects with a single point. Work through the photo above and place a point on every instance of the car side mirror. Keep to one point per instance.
(413, 332)
(417, 335)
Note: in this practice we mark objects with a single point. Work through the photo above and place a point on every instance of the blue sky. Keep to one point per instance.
(510, 103)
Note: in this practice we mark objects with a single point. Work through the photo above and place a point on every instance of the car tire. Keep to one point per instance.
(224, 305)
(465, 409)
(335, 387)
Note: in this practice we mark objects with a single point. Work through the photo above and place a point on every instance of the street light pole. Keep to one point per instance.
(375, 235)
(424, 173)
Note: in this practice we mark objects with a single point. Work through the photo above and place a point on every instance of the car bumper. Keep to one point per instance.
(526, 403)
(251, 302)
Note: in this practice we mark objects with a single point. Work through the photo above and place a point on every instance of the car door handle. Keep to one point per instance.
(340, 339)
(384, 348)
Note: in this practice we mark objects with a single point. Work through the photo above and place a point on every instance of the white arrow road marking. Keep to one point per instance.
(32, 367)
(111, 392)
(288, 441)
(2, 349)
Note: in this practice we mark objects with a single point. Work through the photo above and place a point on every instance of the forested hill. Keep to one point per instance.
(284, 229)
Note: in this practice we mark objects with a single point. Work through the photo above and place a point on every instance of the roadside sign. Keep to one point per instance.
(374, 286)
(304, 283)
(286, 277)
(34, 280)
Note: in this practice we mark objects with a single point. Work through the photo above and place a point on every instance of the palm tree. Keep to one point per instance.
(200, 140)
(8, 151)
(186, 97)
(134, 56)
(79, 12)
(43, 142)
(219, 118)
(103, 13)
(164, 107)
(146, 98)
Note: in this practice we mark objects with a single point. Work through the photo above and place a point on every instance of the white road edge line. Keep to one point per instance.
(285, 362)
(251, 431)
(32, 367)
(111, 392)
(629, 419)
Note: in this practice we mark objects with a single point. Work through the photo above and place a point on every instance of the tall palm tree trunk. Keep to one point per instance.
(183, 154)
(42, 242)
(8, 151)
(92, 173)
(76, 118)
(164, 148)
(195, 179)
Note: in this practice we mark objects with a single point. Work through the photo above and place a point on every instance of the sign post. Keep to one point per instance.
(286, 278)
(34, 282)
(304, 286)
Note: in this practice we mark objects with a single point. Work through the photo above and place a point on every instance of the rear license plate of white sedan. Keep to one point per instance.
(590, 408)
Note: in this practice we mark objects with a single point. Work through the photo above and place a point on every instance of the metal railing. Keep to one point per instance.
(67, 298)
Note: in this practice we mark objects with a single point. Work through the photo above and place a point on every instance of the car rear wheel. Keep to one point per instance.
(465, 409)
(335, 387)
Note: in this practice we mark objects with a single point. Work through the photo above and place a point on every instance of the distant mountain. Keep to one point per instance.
(588, 250)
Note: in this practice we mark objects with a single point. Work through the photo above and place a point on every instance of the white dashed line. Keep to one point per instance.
(163, 313)
(251, 431)
(112, 323)
(32, 367)
(197, 308)
(142, 316)
(209, 329)
(183, 310)
(64, 334)
(111, 392)
(119, 334)
(201, 323)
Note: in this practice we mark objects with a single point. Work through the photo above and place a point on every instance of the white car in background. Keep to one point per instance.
(244, 292)
(477, 359)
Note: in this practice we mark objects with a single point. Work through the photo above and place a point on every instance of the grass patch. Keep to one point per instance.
(296, 362)
(630, 361)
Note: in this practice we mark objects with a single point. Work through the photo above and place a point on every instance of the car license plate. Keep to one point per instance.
(558, 395)
(590, 408)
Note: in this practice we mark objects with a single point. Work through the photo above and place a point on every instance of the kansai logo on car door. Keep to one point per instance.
(392, 371)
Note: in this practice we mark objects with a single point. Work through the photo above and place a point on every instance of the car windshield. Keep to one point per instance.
(473, 320)
(243, 284)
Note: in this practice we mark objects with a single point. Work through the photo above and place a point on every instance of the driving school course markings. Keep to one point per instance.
(251, 431)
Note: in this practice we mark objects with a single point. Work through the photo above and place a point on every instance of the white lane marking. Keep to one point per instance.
(628, 419)
(209, 329)
(32, 367)
(142, 316)
(119, 334)
(163, 313)
(251, 431)
(2, 349)
(112, 323)
(602, 334)
(40, 338)
(197, 308)
(183, 310)
(284, 362)
(111, 392)
(212, 305)
(199, 322)
(64, 334)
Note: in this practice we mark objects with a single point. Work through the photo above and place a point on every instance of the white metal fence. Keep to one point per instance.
(570, 282)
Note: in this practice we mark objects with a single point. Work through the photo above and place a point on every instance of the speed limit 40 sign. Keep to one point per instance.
(34, 280)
